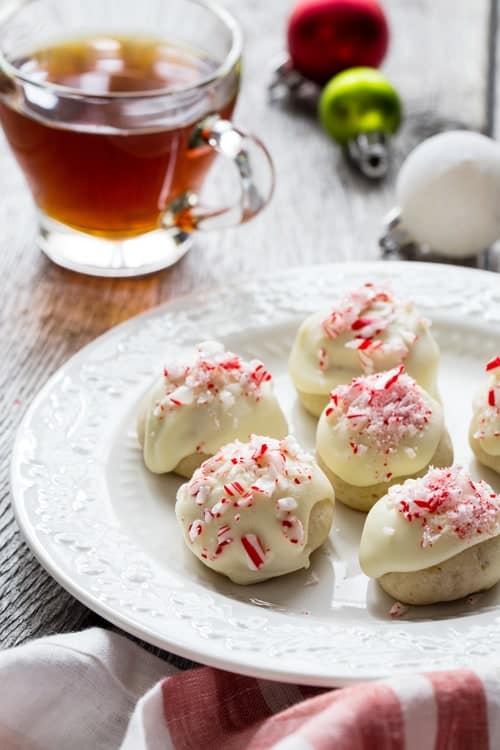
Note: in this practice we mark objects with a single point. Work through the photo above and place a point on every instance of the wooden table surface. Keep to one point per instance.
(442, 60)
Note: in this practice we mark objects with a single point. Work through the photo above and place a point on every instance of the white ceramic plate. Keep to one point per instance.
(104, 527)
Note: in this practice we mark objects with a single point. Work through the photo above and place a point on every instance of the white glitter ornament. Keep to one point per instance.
(448, 194)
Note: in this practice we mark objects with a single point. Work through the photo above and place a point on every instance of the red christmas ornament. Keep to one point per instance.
(327, 36)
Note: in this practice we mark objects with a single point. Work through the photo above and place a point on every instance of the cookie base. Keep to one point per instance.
(475, 569)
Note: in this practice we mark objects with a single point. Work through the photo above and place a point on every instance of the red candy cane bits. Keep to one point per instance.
(380, 410)
(351, 313)
(210, 374)
(493, 364)
(494, 391)
(448, 501)
(486, 419)
(254, 551)
(363, 318)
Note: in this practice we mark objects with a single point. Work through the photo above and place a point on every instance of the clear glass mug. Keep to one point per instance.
(116, 174)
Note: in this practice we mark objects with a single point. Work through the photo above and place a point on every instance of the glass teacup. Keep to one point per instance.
(115, 111)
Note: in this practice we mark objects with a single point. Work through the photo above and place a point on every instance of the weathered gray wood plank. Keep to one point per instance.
(321, 212)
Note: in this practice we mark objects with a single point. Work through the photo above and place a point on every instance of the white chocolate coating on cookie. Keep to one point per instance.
(484, 433)
(425, 521)
(379, 427)
(368, 331)
(203, 402)
(256, 510)
(364, 498)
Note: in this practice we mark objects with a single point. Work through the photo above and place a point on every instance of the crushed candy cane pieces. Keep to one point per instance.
(254, 551)
(381, 410)
(493, 364)
(210, 375)
(487, 404)
(398, 610)
(365, 316)
(448, 501)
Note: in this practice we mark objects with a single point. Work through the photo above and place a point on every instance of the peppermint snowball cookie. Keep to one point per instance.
(434, 539)
(202, 402)
(368, 331)
(484, 432)
(377, 430)
(256, 510)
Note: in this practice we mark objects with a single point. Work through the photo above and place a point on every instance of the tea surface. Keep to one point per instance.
(102, 64)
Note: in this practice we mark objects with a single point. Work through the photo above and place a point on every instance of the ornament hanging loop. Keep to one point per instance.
(370, 152)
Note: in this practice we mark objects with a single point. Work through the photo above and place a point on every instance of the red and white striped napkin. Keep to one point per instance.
(96, 690)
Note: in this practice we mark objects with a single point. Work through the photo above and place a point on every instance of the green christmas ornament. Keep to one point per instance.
(360, 110)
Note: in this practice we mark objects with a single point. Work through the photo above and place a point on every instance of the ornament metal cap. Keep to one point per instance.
(396, 242)
(395, 238)
(287, 84)
(370, 153)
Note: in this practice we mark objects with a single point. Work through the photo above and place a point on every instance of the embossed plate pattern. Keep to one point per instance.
(104, 527)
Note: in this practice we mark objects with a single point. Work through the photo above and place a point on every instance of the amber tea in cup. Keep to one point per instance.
(102, 182)
(116, 131)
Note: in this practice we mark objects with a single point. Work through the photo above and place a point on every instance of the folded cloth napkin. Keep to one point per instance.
(96, 690)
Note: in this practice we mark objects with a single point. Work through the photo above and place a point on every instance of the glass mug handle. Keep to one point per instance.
(256, 173)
